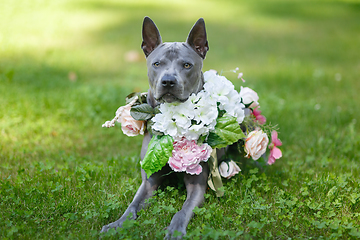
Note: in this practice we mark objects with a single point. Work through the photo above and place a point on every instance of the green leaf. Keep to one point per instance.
(158, 154)
(141, 97)
(227, 131)
(354, 232)
(142, 112)
(131, 96)
(215, 141)
(247, 105)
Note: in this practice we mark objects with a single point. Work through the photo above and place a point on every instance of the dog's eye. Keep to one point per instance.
(187, 65)
(156, 64)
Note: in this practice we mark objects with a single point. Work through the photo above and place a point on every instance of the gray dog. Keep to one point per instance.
(174, 71)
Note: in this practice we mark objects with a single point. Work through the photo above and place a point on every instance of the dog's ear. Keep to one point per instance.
(197, 38)
(151, 36)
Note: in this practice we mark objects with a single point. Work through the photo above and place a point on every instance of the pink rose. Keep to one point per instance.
(257, 114)
(256, 143)
(228, 169)
(275, 153)
(248, 95)
(129, 125)
(187, 155)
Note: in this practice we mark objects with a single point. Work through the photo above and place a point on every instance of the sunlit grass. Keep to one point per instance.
(64, 72)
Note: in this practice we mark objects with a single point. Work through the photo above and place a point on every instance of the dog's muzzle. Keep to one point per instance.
(168, 81)
(170, 89)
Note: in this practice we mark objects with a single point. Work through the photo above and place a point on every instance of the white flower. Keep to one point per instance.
(182, 120)
(167, 108)
(222, 91)
(205, 110)
(235, 108)
(195, 131)
(165, 123)
(174, 118)
(210, 76)
(186, 108)
(239, 112)
(228, 169)
(256, 143)
(218, 87)
(160, 122)
(248, 95)
(234, 97)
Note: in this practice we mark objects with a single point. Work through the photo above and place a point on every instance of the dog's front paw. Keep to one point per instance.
(175, 235)
(106, 228)
(175, 231)
(129, 214)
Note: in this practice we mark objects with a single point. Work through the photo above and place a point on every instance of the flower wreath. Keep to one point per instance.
(185, 134)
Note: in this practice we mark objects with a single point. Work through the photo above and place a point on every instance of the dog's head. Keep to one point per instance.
(174, 68)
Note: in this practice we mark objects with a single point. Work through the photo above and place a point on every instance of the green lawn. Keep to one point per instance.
(64, 71)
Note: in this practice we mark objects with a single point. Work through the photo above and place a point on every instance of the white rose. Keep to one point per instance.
(256, 143)
(228, 169)
(129, 125)
(248, 95)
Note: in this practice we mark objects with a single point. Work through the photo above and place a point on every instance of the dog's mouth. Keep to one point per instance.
(169, 98)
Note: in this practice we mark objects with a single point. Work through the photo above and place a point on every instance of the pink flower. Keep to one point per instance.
(275, 153)
(256, 143)
(240, 76)
(257, 113)
(129, 125)
(187, 156)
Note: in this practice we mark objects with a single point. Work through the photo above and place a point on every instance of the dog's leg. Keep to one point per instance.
(196, 187)
(145, 191)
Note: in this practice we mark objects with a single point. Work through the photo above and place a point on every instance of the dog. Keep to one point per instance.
(174, 72)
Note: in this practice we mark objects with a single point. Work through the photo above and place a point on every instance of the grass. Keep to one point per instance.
(63, 73)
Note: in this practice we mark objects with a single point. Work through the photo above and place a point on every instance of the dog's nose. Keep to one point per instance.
(168, 81)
